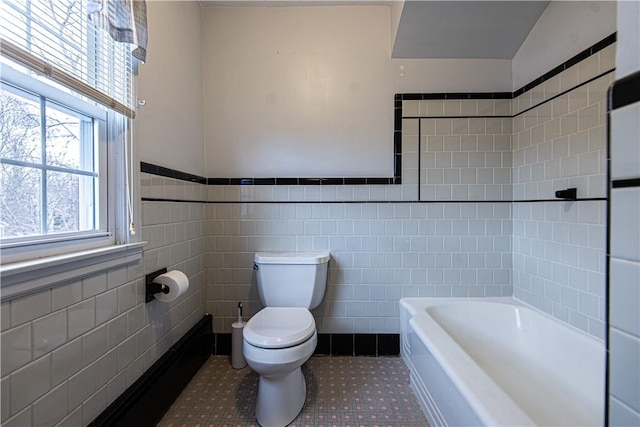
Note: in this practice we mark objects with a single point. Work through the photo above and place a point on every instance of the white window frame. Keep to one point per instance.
(33, 263)
(19, 248)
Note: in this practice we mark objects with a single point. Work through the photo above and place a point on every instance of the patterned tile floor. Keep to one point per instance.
(341, 391)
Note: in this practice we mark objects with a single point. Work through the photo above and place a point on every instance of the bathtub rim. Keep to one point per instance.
(434, 337)
(488, 400)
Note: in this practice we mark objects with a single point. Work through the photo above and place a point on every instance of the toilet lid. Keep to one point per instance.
(279, 327)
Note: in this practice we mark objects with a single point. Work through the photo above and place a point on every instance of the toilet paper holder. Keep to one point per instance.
(152, 288)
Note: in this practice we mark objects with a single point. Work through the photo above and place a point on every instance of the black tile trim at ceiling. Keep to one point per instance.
(623, 92)
(625, 183)
(374, 345)
(592, 50)
(397, 133)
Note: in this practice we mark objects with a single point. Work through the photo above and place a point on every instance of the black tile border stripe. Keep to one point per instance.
(347, 344)
(625, 183)
(586, 82)
(624, 91)
(381, 202)
(457, 117)
(453, 96)
(619, 97)
(607, 41)
(171, 173)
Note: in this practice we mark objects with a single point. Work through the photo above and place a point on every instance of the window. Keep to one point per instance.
(66, 107)
(52, 160)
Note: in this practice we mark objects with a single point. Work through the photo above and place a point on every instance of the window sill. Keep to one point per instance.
(26, 277)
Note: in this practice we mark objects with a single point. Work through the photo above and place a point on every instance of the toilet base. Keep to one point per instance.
(280, 398)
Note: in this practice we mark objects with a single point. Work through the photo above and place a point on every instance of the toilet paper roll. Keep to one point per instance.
(176, 281)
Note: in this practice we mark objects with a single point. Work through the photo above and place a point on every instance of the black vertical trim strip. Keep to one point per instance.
(397, 143)
(419, 159)
(624, 92)
(607, 266)
(397, 135)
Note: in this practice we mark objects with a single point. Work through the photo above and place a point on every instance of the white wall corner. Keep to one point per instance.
(565, 29)
(396, 7)
(628, 49)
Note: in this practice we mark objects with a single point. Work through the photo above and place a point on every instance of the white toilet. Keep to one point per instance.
(282, 336)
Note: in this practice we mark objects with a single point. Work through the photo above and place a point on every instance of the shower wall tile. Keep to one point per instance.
(559, 142)
(562, 144)
(624, 289)
(624, 369)
(622, 415)
(625, 223)
(558, 260)
(625, 153)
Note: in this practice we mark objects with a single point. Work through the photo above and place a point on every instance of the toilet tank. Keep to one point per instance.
(291, 279)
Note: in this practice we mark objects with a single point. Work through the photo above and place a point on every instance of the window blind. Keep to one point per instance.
(57, 39)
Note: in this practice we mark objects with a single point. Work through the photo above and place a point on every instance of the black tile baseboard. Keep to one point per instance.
(334, 345)
(222, 344)
(148, 398)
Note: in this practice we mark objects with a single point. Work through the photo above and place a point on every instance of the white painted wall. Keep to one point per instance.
(168, 129)
(396, 13)
(628, 54)
(308, 92)
(565, 29)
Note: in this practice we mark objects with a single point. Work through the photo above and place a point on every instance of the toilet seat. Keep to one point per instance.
(279, 327)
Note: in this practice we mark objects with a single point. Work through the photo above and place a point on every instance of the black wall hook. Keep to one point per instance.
(568, 194)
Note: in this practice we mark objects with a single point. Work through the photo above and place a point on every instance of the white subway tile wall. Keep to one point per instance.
(624, 261)
(559, 247)
(69, 351)
(562, 144)
(558, 261)
(380, 252)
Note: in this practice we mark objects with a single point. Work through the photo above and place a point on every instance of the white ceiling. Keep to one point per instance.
(443, 29)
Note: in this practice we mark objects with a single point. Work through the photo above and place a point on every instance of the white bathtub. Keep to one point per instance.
(496, 362)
